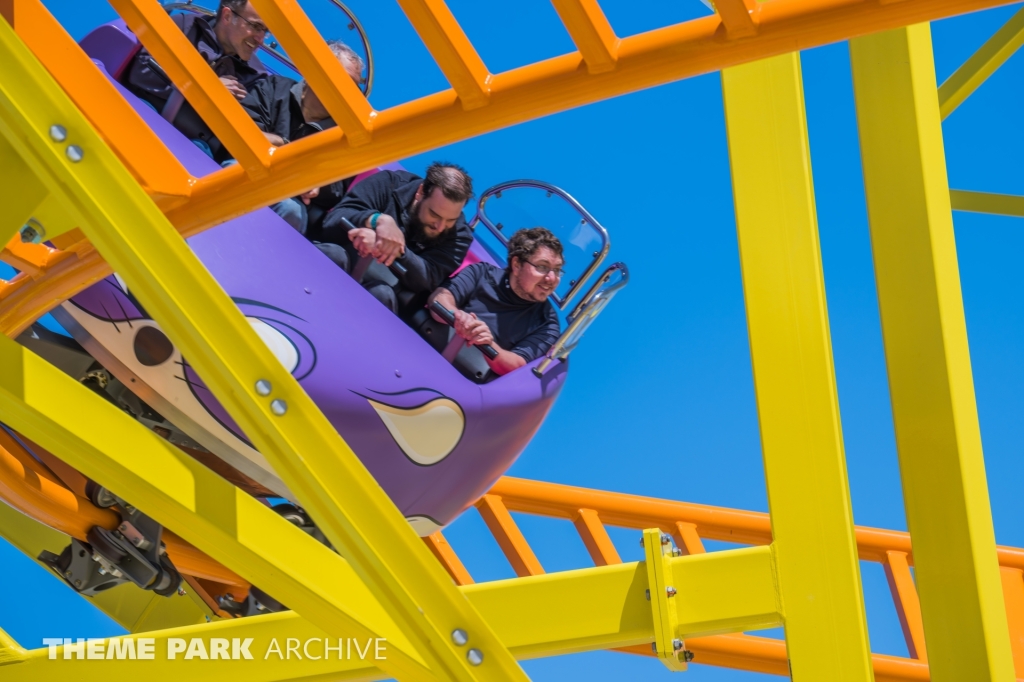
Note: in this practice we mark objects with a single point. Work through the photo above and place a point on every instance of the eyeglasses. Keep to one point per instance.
(253, 26)
(545, 270)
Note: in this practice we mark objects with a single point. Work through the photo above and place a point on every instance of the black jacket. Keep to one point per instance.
(392, 192)
(145, 79)
(275, 104)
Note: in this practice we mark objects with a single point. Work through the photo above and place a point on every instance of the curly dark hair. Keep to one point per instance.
(454, 181)
(528, 241)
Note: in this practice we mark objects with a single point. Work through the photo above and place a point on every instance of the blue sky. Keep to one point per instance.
(661, 398)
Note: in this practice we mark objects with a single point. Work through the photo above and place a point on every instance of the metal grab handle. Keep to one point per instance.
(449, 318)
(359, 270)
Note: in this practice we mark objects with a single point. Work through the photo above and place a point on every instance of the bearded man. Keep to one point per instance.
(397, 217)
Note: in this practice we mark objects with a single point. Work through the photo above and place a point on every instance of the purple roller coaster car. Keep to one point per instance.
(434, 439)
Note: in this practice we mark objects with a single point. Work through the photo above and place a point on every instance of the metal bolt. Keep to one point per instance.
(182, 592)
(670, 591)
(74, 152)
(32, 233)
(647, 593)
(641, 542)
(460, 637)
(263, 387)
(58, 133)
(677, 552)
(654, 647)
(102, 571)
(687, 655)
(677, 644)
(279, 407)
(69, 574)
(475, 656)
(666, 538)
(78, 583)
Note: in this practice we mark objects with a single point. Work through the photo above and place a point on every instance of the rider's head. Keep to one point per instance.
(534, 263)
(239, 30)
(312, 108)
(440, 199)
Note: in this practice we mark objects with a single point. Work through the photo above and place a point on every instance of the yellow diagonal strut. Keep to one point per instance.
(938, 437)
(314, 462)
(794, 378)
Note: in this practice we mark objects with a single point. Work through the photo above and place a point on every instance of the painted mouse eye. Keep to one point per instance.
(279, 344)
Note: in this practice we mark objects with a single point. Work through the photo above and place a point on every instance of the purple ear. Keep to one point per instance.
(108, 301)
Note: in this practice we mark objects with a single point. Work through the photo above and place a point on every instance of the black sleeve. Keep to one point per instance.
(266, 102)
(258, 103)
(368, 197)
(463, 285)
(541, 339)
(428, 270)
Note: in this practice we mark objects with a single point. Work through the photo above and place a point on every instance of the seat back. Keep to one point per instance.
(114, 46)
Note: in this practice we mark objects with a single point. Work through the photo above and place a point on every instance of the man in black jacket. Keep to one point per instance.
(398, 217)
(287, 110)
(509, 309)
(228, 42)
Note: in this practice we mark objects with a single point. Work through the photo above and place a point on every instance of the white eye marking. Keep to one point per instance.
(428, 433)
(279, 344)
(121, 282)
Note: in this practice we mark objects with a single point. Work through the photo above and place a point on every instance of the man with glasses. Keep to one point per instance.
(509, 309)
(228, 42)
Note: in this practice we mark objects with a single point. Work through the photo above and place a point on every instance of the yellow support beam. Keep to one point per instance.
(112, 448)
(10, 652)
(133, 609)
(21, 192)
(547, 615)
(932, 391)
(981, 64)
(287, 427)
(794, 378)
(987, 202)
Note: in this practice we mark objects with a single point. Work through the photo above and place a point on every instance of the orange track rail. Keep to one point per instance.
(51, 494)
(29, 487)
(591, 510)
(479, 102)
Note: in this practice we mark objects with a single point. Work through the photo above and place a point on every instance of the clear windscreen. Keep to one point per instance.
(513, 206)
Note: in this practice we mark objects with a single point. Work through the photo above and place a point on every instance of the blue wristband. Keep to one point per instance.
(373, 221)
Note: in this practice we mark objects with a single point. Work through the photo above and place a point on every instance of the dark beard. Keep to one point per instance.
(414, 231)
